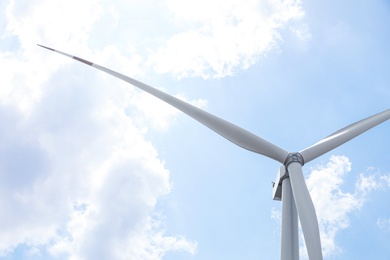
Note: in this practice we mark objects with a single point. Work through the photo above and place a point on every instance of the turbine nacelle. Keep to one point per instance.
(277, 185)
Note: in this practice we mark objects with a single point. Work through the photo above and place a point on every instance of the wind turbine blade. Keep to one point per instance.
(233, 133)
(306, 211)
(343, 135)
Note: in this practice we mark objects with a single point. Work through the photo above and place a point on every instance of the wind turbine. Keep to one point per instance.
(290, 186)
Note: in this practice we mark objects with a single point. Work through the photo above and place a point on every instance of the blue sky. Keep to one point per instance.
(92, 168)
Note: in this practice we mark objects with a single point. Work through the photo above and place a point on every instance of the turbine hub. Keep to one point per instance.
(283, 174)
(293, 157)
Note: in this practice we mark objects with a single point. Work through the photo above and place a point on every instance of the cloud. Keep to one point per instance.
(385, 179)
(24, 68)
(334, 205)
(384, 224)
(43, 21)
(372, 180)
(220, 37)
(201, 38)
(78, 178)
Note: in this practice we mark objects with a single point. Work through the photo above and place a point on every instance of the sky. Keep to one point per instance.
(93, 168)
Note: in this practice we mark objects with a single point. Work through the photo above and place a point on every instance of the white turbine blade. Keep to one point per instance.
(306, 211)
(233, 133)
(343, 135)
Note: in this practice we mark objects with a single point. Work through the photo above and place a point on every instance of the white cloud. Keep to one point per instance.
(367, 183)
(373, 180)
(28, 23)
(44, 20)
(222, 36)
(276, 214)
(214, 39)
(385, 179)
(76, 173)
(79, 176)
(333, 205)
(384, 224)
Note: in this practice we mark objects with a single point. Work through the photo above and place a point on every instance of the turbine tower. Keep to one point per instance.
(290, 186)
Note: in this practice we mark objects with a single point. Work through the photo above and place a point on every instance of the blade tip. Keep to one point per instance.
(45, 47)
